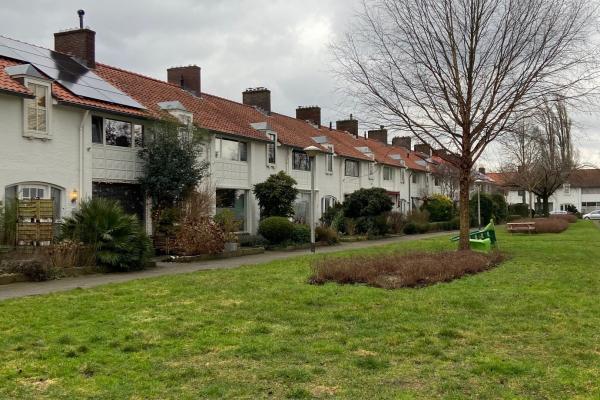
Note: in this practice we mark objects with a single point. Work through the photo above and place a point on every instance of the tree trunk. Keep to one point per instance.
(465, 176)
(546, 207)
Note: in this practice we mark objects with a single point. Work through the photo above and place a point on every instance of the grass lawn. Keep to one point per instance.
(527, 329)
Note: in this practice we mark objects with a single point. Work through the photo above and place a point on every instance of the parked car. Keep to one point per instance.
(558, 212)
(592, 215)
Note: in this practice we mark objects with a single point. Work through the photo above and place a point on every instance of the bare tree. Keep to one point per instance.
(455, 73)
(448, 177)
(521, 154)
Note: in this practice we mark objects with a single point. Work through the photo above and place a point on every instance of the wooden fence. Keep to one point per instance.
(35, 222)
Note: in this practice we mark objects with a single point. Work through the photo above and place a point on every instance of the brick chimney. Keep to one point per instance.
(381, 134)
(482, 170)
(402, 141)
(187, 78)
(259, 97)
(423, 148)
(349, 125)
(309, 113)
(79, 43)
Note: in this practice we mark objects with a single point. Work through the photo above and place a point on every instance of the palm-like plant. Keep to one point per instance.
(118, 239)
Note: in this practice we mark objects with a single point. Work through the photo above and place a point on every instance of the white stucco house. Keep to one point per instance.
(71, 127)
(582, 190)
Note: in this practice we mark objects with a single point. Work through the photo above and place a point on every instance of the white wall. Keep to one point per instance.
(54, 161)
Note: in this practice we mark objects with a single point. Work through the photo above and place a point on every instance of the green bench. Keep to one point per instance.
(482, 240)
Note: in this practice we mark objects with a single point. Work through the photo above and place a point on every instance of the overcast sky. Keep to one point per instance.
(279, 44)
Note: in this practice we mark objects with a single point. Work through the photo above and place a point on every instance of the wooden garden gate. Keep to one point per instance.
(35, 222)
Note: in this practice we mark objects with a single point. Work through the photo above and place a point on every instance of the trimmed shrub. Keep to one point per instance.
(499, 208)
(276, 195)
(410, 228)
(512, 218)
(35, 270)
(276, 229)
(118, 239)
(487, 209)
(521, 209)
(301, 233)
(367, 203)
(398, 270)
(326, 234)
(440, 207)
(418, 216)
(252, 241)
(570, 218)
(548, 225)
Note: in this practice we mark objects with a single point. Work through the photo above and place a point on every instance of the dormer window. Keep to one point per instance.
(37, 110)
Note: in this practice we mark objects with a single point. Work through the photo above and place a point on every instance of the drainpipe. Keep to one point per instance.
(81, 153)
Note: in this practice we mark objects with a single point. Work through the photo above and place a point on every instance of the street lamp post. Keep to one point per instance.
(311, 152)
(478, 182)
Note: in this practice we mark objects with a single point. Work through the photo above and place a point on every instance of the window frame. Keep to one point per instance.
(133, 126)
(390, 170)
(32, 133)
(351, 162)
(329, 160)
(296, 167)
(402, 176)
(271, 144)
(566, 188)
(219, 152)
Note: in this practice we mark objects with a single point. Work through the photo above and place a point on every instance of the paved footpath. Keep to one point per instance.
(23, 289)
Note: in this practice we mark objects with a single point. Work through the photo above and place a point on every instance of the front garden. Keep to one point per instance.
(524, 329)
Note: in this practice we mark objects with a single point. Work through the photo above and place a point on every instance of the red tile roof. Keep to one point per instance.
(8, 84)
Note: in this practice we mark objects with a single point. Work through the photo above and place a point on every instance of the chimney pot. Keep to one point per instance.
(424, 148)
(482, 170)
(259, 97)
(187, 78)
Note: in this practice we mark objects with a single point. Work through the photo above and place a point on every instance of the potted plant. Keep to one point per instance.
(230, 226)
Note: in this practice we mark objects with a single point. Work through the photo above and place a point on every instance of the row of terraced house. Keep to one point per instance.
(71, 128)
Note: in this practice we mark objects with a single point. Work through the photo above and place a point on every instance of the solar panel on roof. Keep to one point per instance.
(74, 76)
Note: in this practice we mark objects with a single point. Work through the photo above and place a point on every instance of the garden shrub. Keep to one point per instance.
(410, 228)
(276, 195)
(487, 209)
(326, 234)
(440, 207)
(514, 217)
(276, 229)
(521, 209)
(229, 225)
(332, 213)
(198, 235)
(570, 218)
(548, 225)
(118, 239)
(418, 216)
(247, 240)
(367, 203)
(395, 221)
(499, 208)
(397, 270)
(301, 233)
(350, 226)
(36, 270)
(8, 222)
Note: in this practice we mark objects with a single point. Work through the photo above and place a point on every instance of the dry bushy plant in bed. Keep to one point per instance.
(570, 218)
(398, 270)
(548, 225)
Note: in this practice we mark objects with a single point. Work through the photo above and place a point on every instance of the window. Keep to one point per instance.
(329, 160)
(521, 193)
(117, 133)
(351, 168)
(32, 193)
(300, 160)
(234, 200)
(302, 207)
(567, 188)
(228, 149)
(436, 180)
(371, 167)
(415, 177)
(272, 149)
(97, 129)
(36, 109)
(402, 175)
(388, 174)
(327, 202)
